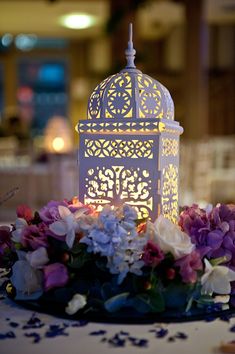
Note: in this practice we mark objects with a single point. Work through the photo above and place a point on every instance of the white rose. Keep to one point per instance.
(77, 302)
(170, 238)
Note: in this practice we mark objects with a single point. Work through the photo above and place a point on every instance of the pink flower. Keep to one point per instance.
(23, 211)
(34, 236)
(55, 275)
(153, 255)
(188, 266)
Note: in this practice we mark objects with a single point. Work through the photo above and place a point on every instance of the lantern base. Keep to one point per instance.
(126, 316)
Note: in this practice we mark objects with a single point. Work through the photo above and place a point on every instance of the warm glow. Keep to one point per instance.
(77, 21)
(58, 144)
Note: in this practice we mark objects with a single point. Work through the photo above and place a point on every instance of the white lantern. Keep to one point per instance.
(129, 145)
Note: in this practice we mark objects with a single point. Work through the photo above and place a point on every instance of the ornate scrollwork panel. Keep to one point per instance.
(118, 184)
(170, 192)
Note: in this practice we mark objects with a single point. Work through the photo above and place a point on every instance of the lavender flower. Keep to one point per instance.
(213, 233)
(50, 212)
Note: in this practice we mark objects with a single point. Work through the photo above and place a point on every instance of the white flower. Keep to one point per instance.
(216, 279)
(68, 225)
(37, 258)
(19, 226)
(221, 299)
(77, 302)
(169, 237)
(26, 279)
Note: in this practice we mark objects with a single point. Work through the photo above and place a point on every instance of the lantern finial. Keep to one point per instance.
(130, 51)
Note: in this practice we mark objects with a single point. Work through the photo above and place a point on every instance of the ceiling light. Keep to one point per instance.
(7, 39)
(77, 21)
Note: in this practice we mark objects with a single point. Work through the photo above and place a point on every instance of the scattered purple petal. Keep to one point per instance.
(123, 333)
(181, 335)
(161, 332)
(34, 322)
(101, 332)
(116, 341)
(232, 329)
(34, 335)
(7, 335)
(13, 324)
(56, 330)
(137, 342)
(80, 323)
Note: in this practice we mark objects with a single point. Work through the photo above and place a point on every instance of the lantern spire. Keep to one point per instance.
(130, 51)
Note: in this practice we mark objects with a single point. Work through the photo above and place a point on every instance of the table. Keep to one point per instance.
(202, 337)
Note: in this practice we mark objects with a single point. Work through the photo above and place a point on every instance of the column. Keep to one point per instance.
(196, 76)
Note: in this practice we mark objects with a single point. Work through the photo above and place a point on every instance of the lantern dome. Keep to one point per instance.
(130, 94)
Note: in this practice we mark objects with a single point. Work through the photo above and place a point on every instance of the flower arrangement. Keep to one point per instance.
(87, 261)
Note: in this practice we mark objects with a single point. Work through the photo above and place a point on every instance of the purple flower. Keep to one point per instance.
(50, 212)
(152, 255)
(188, 267)
(34, 236)
(55, 275)
(208, 236)
(222, 214)
(193, 220)
(5, 241)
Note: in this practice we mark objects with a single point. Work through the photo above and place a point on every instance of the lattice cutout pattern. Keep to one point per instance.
(119, 148)
(170, 147)
(130, 95)
(170, 192)
(117, 184)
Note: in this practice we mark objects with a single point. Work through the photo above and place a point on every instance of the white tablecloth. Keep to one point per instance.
(203, 337)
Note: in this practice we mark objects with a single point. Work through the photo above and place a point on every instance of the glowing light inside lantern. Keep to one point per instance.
(58, 144)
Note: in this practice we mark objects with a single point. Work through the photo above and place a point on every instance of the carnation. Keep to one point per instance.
(189, 265)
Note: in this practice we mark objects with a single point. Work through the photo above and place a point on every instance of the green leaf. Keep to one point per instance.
(79, 248)
(116, 302)
(176, 295)
(148, 302)
(205, 300)
(78, 261)
(217, 261)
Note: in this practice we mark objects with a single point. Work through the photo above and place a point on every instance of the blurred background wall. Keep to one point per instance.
(48, 68)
